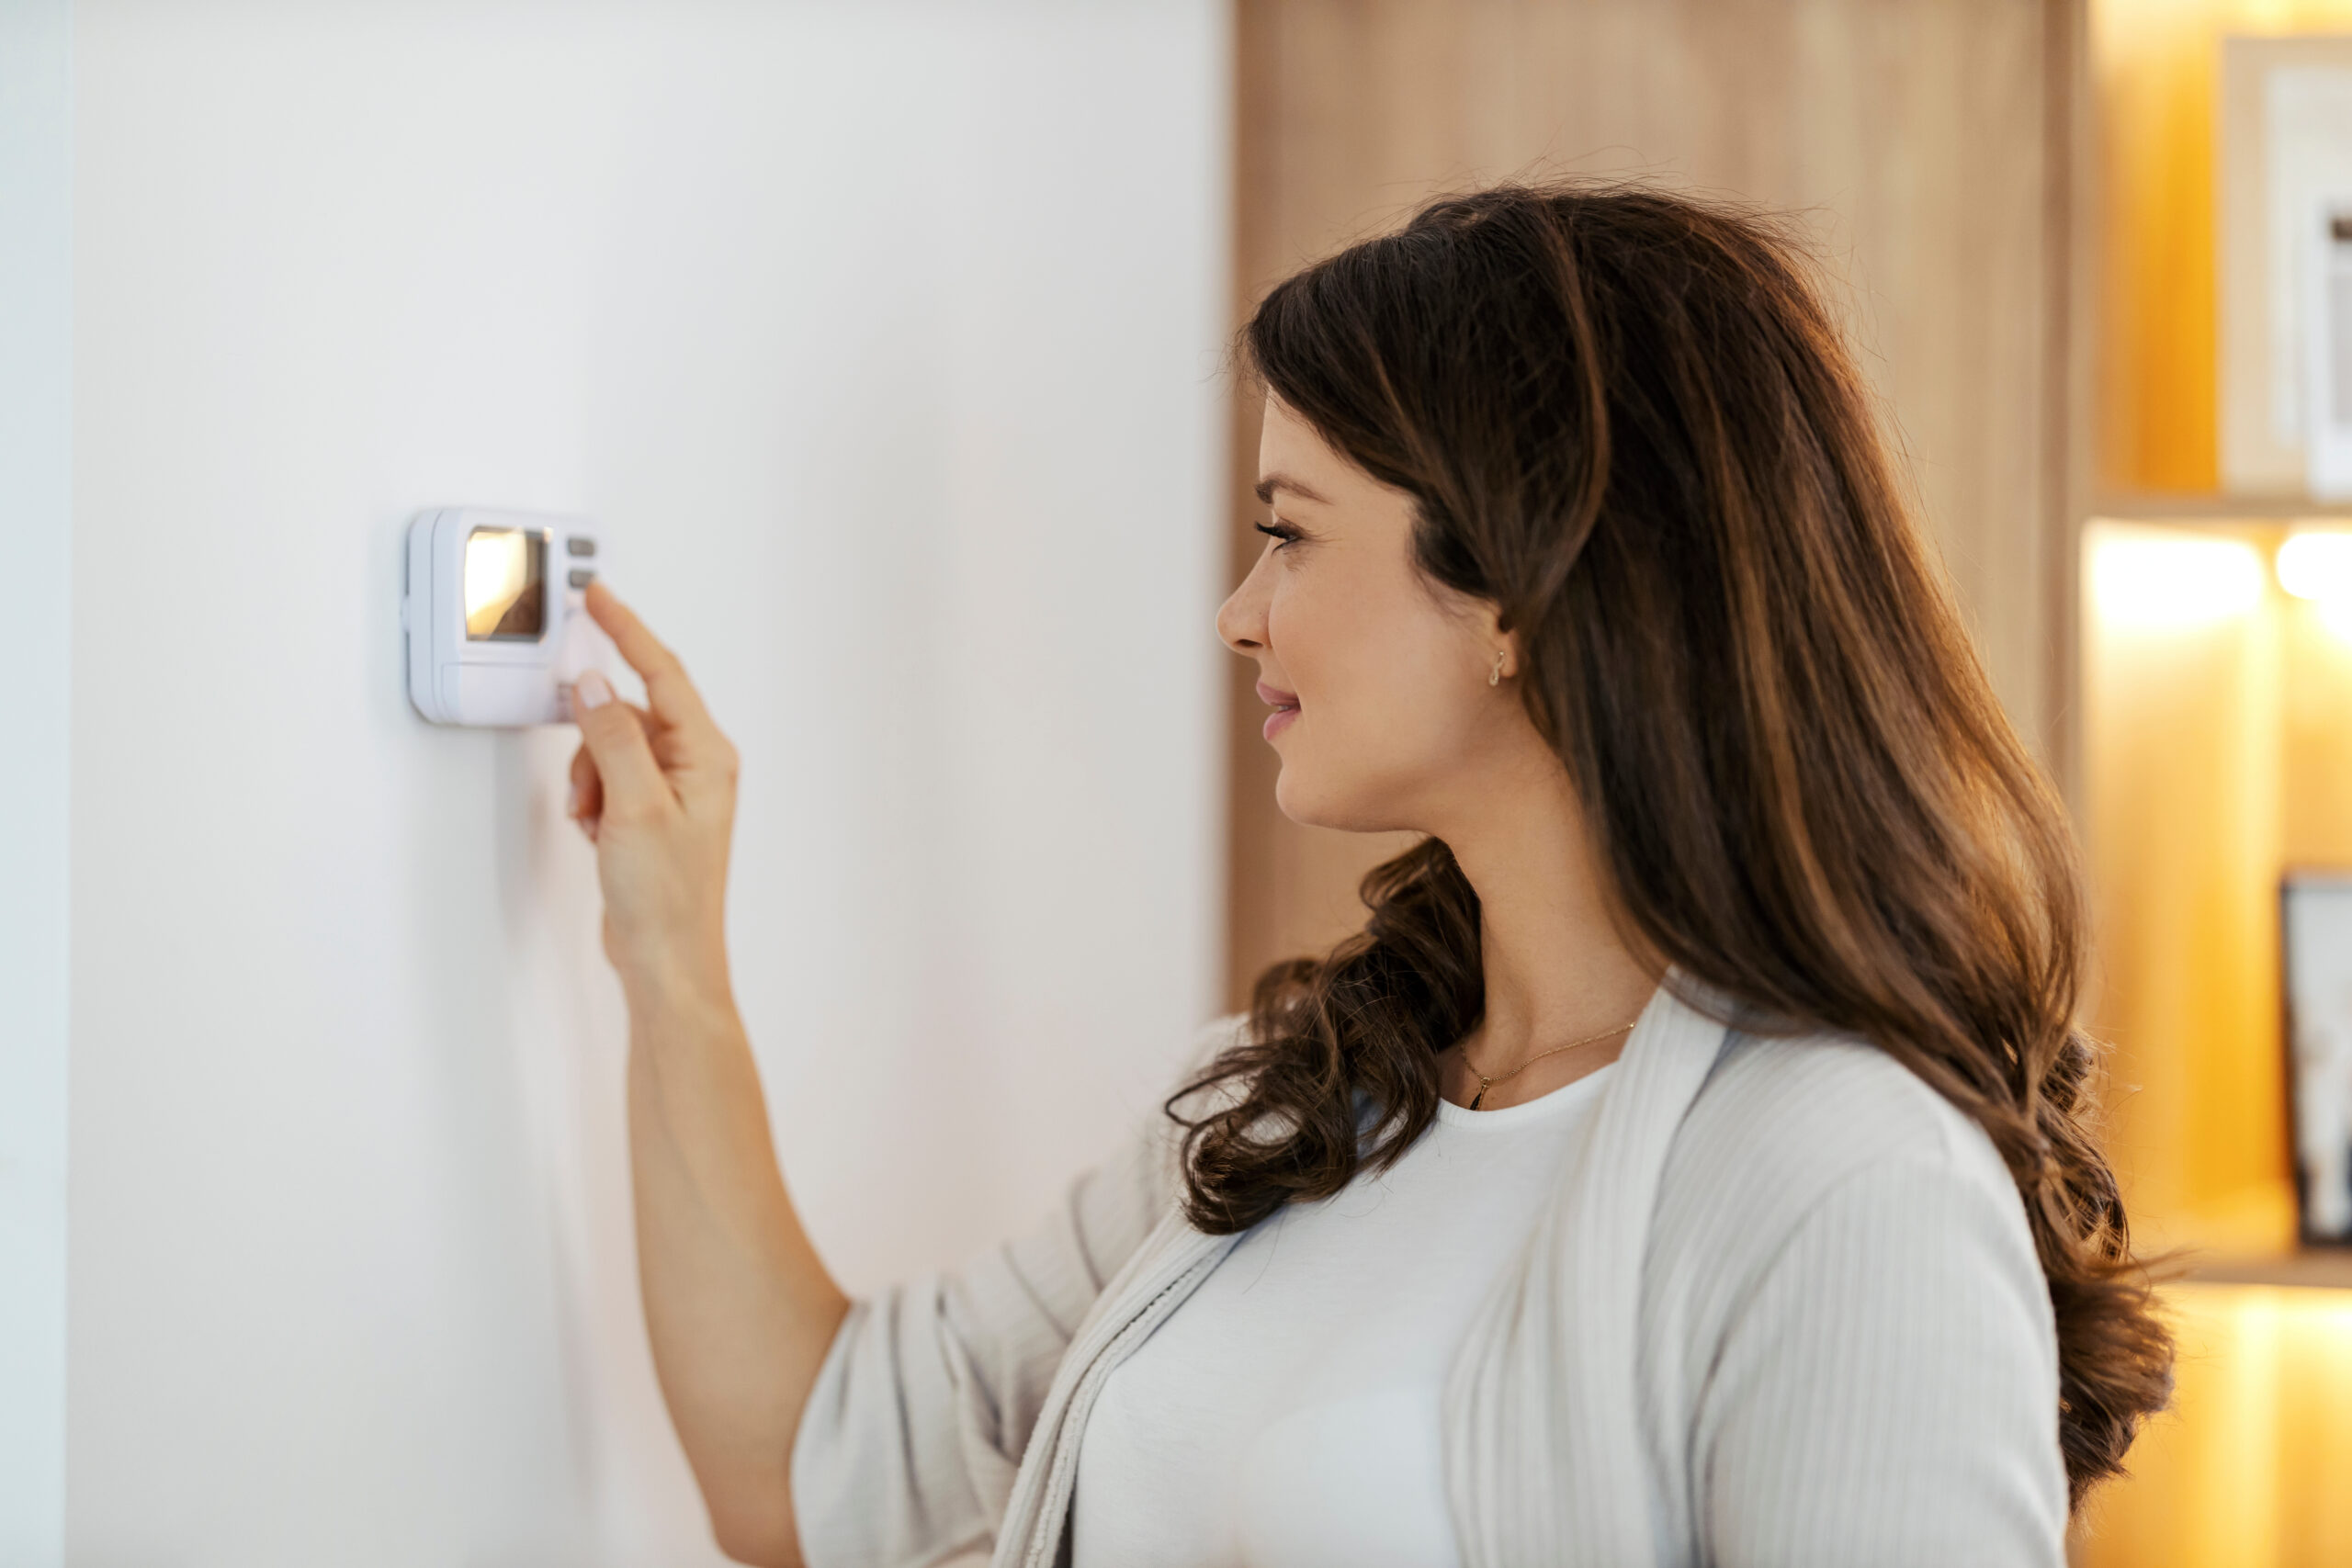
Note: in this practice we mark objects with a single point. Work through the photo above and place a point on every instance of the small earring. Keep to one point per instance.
(1494, 676)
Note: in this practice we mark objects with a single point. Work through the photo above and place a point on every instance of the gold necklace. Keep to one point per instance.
(1485, 1082)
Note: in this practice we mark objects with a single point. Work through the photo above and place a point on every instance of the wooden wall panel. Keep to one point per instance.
(1913, 140)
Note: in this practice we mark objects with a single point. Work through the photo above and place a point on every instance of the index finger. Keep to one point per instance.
(668, 692)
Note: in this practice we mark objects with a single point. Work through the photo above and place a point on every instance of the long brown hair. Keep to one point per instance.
(1627, 421)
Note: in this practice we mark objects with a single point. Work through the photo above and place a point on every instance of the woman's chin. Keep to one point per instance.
(1296, 797)
(1312, 802)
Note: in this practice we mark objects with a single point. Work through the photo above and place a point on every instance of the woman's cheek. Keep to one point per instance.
(1290, 634)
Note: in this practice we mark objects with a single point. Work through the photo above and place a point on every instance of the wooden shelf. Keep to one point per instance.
(2313, 1267)
(2216, 508)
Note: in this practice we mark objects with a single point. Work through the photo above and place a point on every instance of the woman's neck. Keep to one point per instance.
(1557, 967)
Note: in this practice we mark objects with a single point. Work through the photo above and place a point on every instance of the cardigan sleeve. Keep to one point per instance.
(1889, 1392)
(908, 1447)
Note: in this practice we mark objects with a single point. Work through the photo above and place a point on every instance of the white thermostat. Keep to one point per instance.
(496, 616)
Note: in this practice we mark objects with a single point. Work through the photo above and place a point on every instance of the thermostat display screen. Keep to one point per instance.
(506, 584)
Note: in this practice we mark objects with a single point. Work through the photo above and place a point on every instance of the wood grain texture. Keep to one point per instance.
(1912, 142)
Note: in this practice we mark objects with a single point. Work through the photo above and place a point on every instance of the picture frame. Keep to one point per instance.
(2315, 952)
(2285, 141)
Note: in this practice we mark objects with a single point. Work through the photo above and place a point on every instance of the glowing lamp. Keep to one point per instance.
(2150, 581)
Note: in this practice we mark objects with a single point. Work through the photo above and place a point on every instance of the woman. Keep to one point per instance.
(1685, 1164)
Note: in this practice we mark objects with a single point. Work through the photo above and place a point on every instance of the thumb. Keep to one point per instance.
(633, 781)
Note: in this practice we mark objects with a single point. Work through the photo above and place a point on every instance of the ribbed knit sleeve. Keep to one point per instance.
(908, 1446)
(1888, 1394)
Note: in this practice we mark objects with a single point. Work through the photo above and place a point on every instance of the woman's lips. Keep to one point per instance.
(1286, 706)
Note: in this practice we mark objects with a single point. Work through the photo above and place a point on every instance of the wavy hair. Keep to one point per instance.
(1628, 421)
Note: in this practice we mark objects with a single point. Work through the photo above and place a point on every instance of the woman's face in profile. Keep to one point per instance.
(1375, 677)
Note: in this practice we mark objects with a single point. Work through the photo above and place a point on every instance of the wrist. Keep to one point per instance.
(683, 984)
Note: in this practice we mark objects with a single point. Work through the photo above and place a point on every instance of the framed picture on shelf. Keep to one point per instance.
(2286, 151)
(2315, 927)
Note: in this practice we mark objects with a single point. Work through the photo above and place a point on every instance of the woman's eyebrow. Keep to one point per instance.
(1272, 482)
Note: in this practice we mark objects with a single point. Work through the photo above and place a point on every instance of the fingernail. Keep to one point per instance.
(592, 690)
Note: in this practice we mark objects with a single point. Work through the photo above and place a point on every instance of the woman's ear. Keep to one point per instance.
(1503, 656)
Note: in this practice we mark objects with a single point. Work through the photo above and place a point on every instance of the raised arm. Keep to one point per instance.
(740, 1307)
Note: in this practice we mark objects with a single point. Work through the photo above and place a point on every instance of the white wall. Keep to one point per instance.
(884, 339)
(36, 541)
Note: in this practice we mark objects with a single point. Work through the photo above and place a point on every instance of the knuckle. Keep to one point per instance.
(630, 811)
(621, 817)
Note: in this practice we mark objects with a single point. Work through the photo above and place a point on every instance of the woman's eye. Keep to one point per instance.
(1282, 531)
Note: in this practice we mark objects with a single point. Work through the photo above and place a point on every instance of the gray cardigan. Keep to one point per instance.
(1783, 1309)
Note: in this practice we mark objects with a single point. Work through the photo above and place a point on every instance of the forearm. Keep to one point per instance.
(739, 1308)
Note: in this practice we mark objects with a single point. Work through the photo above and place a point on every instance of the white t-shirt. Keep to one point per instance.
(1286, 1415)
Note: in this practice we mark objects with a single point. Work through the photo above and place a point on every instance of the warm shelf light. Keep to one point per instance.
(2141, 580)
(2317, 564)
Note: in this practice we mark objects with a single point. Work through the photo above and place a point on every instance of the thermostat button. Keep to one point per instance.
(581, 578)
(579, 547)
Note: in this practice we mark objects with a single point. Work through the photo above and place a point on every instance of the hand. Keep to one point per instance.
(654, 790)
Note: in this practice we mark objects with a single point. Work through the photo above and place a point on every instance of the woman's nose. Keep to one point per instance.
(1242, 619)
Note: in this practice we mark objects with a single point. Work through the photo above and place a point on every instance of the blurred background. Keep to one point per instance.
(888, 343)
